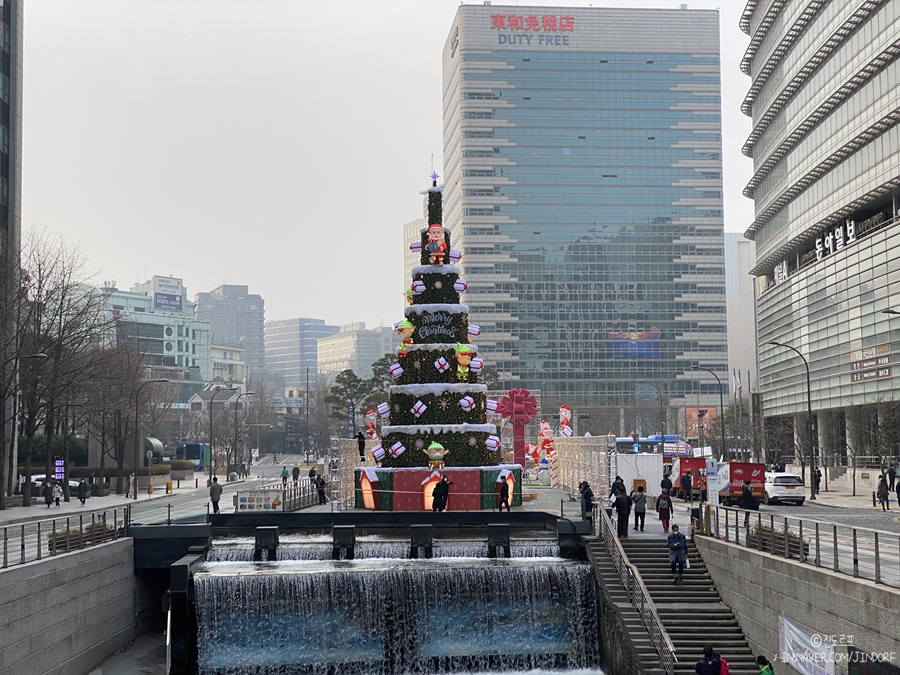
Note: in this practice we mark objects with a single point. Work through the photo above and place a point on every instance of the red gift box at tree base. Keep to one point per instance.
(437, 450)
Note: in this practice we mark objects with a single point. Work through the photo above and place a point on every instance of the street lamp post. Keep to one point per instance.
(3, 478)
(211, 453)
(137, 433)
(238, 400)
(809, 424)
(662, 415)
(721, 402)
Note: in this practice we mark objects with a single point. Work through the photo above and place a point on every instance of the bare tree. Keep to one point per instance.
(857, 434)
(63, 317)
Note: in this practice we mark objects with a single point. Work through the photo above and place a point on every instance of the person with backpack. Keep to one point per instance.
(709, 664)
(724, 668)
(664, 509)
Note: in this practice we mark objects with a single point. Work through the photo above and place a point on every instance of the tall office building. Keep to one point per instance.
(238, 319)
(740, 257)
(825, 145)
(355, 348)
(291, 348)
(583, 183)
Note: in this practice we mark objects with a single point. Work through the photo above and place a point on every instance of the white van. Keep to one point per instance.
(783, 487)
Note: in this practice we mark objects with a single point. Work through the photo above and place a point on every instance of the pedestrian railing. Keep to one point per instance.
(294, 495)
(860, 552)
(38, 539)
(637, 591)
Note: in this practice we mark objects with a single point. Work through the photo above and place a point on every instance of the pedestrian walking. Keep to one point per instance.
(709, 664)
(687, 487)
(440, 494)
(622, 505)
(892, 476)
(748, 503)
(884, 496)
(82, 491)
(128, 486)
(677, 545)
(284, 475)
(639, 499)
(361, 446)
(48, 494)
(587, 500)
(666, 483)
(765, 668)
(664, 509)
(57, 493)
(320, 489)
(614, 488)
(702, 488)
(503, 497)
(295, 473)
(817, 479)
(898, 492)
(312, 475)
(215, 493)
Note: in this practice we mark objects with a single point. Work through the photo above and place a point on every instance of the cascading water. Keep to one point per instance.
(380, 616)
(240, 549)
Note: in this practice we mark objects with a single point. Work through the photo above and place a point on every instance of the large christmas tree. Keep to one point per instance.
(437, 410)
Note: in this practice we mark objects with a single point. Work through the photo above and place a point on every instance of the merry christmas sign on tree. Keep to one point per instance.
(436, 420)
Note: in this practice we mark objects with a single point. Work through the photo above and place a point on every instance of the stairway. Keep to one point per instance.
(608, 579)
(691, 610)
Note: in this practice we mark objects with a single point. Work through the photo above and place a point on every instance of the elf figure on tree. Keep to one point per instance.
(463, 359)
(405, 330)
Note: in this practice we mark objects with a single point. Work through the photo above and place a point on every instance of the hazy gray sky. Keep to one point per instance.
(280, 144)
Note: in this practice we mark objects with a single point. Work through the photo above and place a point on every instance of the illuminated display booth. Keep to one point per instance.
(437, 450)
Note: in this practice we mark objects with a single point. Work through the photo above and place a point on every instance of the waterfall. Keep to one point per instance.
(380, 616)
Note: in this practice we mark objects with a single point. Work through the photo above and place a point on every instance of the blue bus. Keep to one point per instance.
(198, 453)
(672, 446)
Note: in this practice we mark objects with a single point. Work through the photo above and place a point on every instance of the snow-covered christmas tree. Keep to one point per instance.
(436, 419)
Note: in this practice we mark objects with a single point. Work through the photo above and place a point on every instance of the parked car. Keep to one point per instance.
(783, 487)
(38, 482)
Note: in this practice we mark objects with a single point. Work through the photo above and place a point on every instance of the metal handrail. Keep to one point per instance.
(637, 592)
(880, 549)
(29, 537)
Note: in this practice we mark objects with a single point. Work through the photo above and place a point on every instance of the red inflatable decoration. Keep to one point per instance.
(518, 406)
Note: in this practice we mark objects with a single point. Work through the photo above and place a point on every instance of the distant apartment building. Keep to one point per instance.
(412, 231)
(228, 365)
(355, 348)
(237, 318)
(158, 315)
(292, 348)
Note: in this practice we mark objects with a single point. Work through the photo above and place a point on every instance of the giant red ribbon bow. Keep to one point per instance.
(518, 406)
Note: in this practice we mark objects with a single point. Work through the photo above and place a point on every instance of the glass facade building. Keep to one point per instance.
(825, 144)
(583, 184)
(292, 347)
(238, 319)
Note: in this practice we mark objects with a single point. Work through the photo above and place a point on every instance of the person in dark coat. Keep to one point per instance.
(639, 499)
(295, 473)
(622, 506)
(361, 445)
(748, 502)
(709, 664)
(82, 491)
(664, 509)
(687, 486)
(677, 545)
(884, 495)
(320, 488)
(892, 476)
(817, 479)
(666, 483)
(440, 494)
(47, 492)
(215, 493)
(312, 476)
(614, 488)
(587, 500)
(503, 497)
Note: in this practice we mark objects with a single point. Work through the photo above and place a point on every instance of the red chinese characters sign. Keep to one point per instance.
(547, 22)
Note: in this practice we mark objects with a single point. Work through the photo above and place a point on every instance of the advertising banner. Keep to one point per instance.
(167, 294)
(260, 500)
(807, 654)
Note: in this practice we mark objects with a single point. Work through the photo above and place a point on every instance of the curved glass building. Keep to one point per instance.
(825, 143)
(583, 183)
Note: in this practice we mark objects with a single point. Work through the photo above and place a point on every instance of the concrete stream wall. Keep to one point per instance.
(760, 587)
(67, 613)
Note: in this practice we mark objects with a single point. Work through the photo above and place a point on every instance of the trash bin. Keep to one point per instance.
(149, 488)
(232, 476)
(168, 487)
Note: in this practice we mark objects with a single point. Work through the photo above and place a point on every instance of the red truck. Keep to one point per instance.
(731, 481)
(680, 466)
